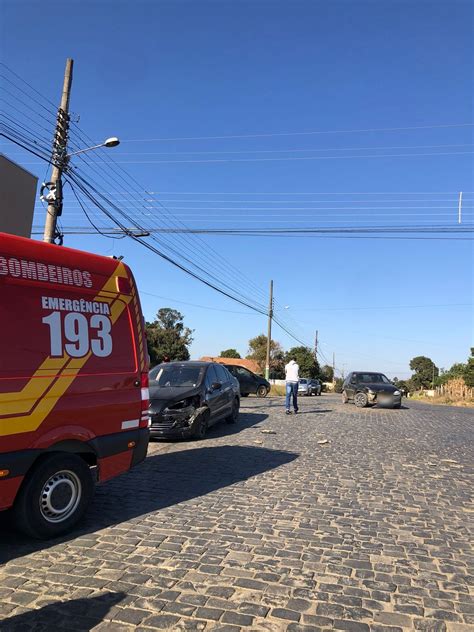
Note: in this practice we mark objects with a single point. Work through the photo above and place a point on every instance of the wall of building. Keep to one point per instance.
(17, 198)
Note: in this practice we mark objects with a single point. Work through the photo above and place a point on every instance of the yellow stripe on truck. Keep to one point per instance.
(27, 409)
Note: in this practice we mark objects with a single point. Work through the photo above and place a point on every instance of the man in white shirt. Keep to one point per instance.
(292, 378)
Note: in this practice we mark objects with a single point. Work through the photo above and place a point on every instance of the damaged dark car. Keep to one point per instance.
(186, 398)
(370, 389)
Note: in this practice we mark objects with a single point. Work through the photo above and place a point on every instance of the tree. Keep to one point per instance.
(327, 373)
(457, 370)
(168, 337)
(338, 385)
(230, 353)
(469, 373)
(309, 367)
(258, 352)
(425, 372)
(402, 385)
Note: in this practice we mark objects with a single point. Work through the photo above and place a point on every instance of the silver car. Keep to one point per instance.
(309, 387)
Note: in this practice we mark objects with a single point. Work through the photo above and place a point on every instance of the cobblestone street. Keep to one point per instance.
(337, 518)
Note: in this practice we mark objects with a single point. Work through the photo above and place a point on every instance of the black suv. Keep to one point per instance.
(365, 388)
(188, 397)
(249, 382)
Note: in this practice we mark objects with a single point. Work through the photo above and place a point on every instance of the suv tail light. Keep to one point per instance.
(144, 415)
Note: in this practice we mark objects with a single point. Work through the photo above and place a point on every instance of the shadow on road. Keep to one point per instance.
(162, 480)
(246, 420)
(86, 613)
(222, 429)
(306, 411)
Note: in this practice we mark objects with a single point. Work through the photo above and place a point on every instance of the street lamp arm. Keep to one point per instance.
(110, 142)
(81, 151)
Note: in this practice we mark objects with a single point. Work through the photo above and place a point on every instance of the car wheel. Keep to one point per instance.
(262, 391)
(201, 427)
(54, 496)
(345, 399)
(361, 400)
(234, 415)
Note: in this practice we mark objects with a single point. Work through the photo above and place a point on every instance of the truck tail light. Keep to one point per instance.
(144, 415)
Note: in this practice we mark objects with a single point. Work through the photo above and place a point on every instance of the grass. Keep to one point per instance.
(277, 390)
(443, 399)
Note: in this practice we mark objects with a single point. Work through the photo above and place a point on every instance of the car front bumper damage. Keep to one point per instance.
(180, 423)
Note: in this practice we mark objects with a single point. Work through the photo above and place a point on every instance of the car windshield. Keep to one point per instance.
(177, 375)
(372, 378)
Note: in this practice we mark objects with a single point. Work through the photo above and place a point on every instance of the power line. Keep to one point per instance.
(179, 254)
(274, 193)
(213, 309)
(89, 219)
(333, 232)
(160, 252)
(382, 307)
(303, 208)
(40, 94)
(316, 230)
(287, 159)
(202, 250)
(309, 133)
(289, 151)
(24, 144)
(299, 201)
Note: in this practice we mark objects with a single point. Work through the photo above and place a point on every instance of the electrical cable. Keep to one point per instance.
(162, 254)
(186, 240)
(289, 151)
(289, 158)
(310, 133)
(88, 217)
(53, 107)
(176, 253)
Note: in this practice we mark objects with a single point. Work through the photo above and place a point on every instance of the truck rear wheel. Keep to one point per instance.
(54, 496)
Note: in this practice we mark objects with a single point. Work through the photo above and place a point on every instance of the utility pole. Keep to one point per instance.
(316, 346)
(59, 157)
(333, 367)
(269, 333)
(460, 208)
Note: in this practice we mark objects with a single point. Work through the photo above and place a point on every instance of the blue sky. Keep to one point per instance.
(266, 74)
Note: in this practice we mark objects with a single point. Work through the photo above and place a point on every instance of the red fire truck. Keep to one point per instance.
(73, 380)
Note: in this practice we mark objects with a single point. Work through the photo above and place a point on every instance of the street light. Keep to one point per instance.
(113, 141)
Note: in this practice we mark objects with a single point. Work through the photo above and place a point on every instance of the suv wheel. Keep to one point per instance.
(361, 400)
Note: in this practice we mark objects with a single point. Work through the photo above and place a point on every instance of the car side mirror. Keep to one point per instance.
(216, 386)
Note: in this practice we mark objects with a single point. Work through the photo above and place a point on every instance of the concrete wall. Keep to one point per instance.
(17, 198)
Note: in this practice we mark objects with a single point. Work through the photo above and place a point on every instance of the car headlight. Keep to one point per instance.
(396, 393)
(176, 406)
